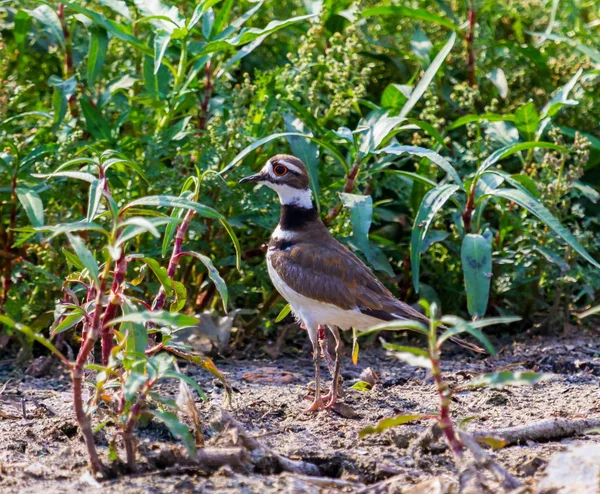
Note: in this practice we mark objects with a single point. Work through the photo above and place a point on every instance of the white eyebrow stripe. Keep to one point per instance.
(291, 167)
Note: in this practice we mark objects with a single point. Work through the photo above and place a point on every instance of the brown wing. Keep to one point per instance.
(328, 271)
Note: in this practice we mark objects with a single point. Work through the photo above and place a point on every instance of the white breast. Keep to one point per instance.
(313, 312)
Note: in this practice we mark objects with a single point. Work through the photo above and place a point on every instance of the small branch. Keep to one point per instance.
(348, 188)
(544, 430)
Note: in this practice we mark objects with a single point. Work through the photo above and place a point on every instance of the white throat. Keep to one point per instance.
(290, 196)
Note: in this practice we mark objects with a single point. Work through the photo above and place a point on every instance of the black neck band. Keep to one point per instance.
(295, 217)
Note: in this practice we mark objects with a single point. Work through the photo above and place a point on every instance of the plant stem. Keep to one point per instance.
(114, 301)
(159, 301)
(87, 347)
(8, 255)
(134, 414)
(469, 207)
(470, 42)
(208, 87)
(68, 61)
(348, 188)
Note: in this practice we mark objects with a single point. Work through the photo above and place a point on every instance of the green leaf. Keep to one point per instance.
(561, 98)
(96, 125)
(33, 205)
(304, 149)
(161, 274)
(22, 22)
(85, 256)
(499, 380)
(388, 423)
(490, 321)
(161, 42)
(213, 274)
(176, 202)
(180, 293)
(156, 317)
(461, 326)
(527, 120)
(73, 259)
(118, 6)
(413, 356)
(27, 331)
(362, 386)
(498, 79)
(361, 216)
(511, 149)
(68, 322)
(188, 380)
(63, 90)
(355, 346)
(49, 19)
(432, 156)
(283, 313)
(486, 117)
(428, 76)
(537, 209)
(476, 257)
(432, 202)
(132, 384)
(96, 188)
(178, 430)
(398, 325)
(415, 177)
(96, 53)
(408, 13)
(395, 95)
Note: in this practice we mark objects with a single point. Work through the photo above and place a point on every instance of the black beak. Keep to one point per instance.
(257, 177)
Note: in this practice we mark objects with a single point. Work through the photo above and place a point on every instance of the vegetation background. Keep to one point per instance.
(180, 91)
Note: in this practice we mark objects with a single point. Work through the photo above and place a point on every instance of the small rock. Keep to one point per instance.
(37, 470)
(368, 375)
(575, 471)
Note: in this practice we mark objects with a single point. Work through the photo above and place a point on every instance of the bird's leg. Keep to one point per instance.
(324, 344)
(335, 390)
(317, 403)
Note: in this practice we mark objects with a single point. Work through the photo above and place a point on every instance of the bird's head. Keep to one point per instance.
(287, 176)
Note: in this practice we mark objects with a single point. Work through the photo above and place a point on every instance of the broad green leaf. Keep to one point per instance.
(118, 6)
(132, 227)
(361, 217)
(511, 149)
(213, 274)
(161, 15)
(499, 380)
(95, 122)
(22, 22)
(476, 257)
(388, 423)
(48, 18)
(85, 256)
(362, 386)
(561, 98)
(431, 204)
(68, 322)
(132, 384)
(527, 120)
(78, 226)
(428, 76)
(33, 205)
(95, 196)
(398, 325)
(136, 334)
(96, 53)
(413, 356)
(178, 430)
(73, 259)
(408, 13)
(537, 209)
(395, 95)
(498, 79)
(161, 274)
(461, 326)
(180, 293)
(63, 90)
(156, 317)
(432, 156)
(283, 313)
(188, 380)
(176, 202)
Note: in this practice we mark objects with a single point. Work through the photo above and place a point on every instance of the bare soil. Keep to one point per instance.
(41, 449)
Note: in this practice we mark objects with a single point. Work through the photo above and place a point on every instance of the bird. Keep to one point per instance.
(325, 283)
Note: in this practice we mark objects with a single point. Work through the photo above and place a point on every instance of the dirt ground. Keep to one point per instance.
(42, 451)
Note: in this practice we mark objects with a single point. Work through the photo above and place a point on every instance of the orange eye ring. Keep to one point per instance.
(280, 170)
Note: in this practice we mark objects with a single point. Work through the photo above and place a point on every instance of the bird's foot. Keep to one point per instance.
(330, 400)
(316, 405)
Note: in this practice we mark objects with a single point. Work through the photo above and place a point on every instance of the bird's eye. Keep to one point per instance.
(280, 170)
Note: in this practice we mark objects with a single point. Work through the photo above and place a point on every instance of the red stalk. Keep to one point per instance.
(8, 254)
(114, 302)
(469, 207)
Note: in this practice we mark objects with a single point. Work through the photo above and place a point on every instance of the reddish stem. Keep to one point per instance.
(8, 251)
(470, 46)
(114, 302)
(469, 207)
